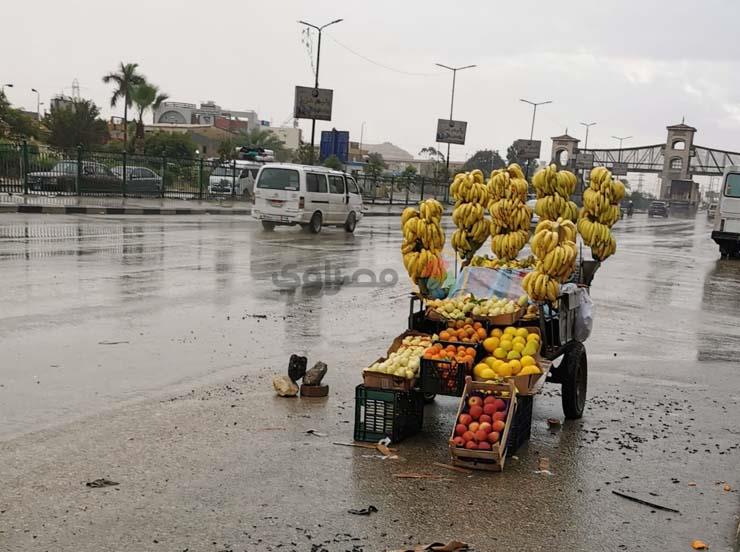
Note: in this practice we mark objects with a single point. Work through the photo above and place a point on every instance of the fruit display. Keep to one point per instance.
(554, 245)
(513, 352)
(423, 240)
(463, 331)
(509, 212)
(447, 367)
(471, 198)
(481, 423)
(600, 212)
(515, 264)
(553, 189)
(405, 361)
(459, 353)
(459, 308)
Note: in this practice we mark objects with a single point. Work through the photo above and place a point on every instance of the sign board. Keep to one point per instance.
(584, 161)
(451, 132)
(334, 142)
(527, 149)
(619, 169)
(312, 103)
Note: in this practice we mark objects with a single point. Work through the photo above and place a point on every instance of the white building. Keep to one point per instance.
(289, 135)
(181, 113)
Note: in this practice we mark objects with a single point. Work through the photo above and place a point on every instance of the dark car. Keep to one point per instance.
(63, 177)
(140, 180)
(658, 209)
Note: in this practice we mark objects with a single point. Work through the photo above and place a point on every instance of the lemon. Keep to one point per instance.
(479, 369)
(506, 345)
(530, 349)
(490, 344)
(500, 353)
(519, 339)
(528, 361)
(510, 331)
(488, 374)
(516, 366)
(513, 355)
(522, 332)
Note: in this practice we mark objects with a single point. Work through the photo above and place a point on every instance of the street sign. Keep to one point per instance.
(619, 169)
(451, 132)
(312, 103)
(334, 142)
(527, 149)
(584, 160)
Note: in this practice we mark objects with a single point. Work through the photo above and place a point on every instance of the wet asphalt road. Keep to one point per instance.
(135, 348)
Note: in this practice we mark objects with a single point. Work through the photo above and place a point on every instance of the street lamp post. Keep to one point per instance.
(452, 100)
(585, 148)
(316, 84)
(38, 103)
(362, 134)
(621, 139)
(531, 131)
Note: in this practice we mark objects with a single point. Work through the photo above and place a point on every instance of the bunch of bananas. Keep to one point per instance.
(600, 212)
(471, 196)
(423, 240)
(509, 212)
(553, 190)
(554, 245)
(489, 262)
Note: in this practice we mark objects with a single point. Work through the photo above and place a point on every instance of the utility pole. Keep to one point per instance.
(621, 139)
(531, 131)
(362, 134)
(316, 83)
(9, 85)
(38, 103)
(585, 148)
(452, 101)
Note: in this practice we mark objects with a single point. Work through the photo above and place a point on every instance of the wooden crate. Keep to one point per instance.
(378, 380)
(492, 460)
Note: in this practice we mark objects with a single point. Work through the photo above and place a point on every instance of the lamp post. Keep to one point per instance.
(585, 148)
(316, 84)
(452, 100)
(38, 103)
(9, 85)
(362, 134)
(621, 139)
(531, 130)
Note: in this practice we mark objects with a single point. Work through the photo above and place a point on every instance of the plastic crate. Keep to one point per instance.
(521, 424)
(381, 413)
(443, 377)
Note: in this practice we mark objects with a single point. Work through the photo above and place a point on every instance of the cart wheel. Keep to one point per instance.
(574, 369)
(429, 398)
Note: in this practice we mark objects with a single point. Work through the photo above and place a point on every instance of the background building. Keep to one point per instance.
(208, 113)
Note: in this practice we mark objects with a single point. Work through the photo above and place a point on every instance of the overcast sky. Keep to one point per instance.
(632, 66)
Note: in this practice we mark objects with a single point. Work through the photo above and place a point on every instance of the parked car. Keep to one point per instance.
(531, 203)
(139, 180)
(711, 211)
(306, 195)
(63, 177)
(658, 209)
(222, 179)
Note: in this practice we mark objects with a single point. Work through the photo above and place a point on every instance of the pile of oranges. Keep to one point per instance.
(459, 353)
(462, 331)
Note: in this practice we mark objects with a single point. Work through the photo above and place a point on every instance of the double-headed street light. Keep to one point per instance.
(587, 125)
(9, 85)
(318, 62)
(452, 99)
(621, 139)
(38, 103)
(534, 113)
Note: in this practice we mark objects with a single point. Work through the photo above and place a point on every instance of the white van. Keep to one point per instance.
(307, 195)
(223, 177)
(727, 220)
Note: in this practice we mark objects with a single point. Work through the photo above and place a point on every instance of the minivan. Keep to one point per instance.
(727, 220)
(310, 196)
(241, 173)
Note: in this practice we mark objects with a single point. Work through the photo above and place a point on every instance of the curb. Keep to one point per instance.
(79, 210)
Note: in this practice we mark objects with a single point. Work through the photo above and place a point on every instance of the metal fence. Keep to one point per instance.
(29, 169)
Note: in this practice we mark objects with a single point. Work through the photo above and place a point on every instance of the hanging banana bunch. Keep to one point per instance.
(510, 215)
(471, 198)
(423, 240)
(554, 189)
(600, 212)
(554, 246)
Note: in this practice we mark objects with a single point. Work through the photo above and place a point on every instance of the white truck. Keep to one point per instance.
(727, 220)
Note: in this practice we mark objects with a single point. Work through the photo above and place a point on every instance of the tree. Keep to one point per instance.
(227, 150)
(78, 124)
(484, 160)
(375, 164)
(303, 155)
(15, 123)
(259, 138)
(333, 162)
(126, 79)
(409, 172)
(439, 163)
(165, 144)
(145, 96)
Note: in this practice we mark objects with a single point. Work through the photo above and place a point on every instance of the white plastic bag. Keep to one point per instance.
(584, 317)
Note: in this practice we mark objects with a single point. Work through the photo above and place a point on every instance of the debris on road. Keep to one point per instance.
(112, 342)
(543, 467)
(361, 445)
(452, 546)
(315, 374)
(699, 545)
(321, 390)
(284, 386)
(553, 423)
(452, 468)
(414, 475)
(297, 367)
(364, 511)
(645, 502)
(101, 482)
(726, 488)
(316, 433)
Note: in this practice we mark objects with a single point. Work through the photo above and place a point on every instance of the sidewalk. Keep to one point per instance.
(67, 205)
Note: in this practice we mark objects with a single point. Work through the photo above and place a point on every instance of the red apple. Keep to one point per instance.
(485, 418)
(476, 411)
(474, 426)
(493, 437)
(489, 399)
(460, 429)
(500, 405)
(459, 441)
(468, 436)
(498, 426)
(465, 419)
(471, 445)
(475, 401)
(485, 426)
(481, 435)
(489, 409)
(501, 416)
(484, 445)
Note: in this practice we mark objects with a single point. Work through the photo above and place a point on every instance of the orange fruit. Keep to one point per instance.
(482, 334)
(477, 325)
(444, 336)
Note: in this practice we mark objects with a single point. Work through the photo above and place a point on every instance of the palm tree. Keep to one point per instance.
(125, 80)
(259, 138)
(145, 96)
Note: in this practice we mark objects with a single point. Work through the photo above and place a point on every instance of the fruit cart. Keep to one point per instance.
(559, 345)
